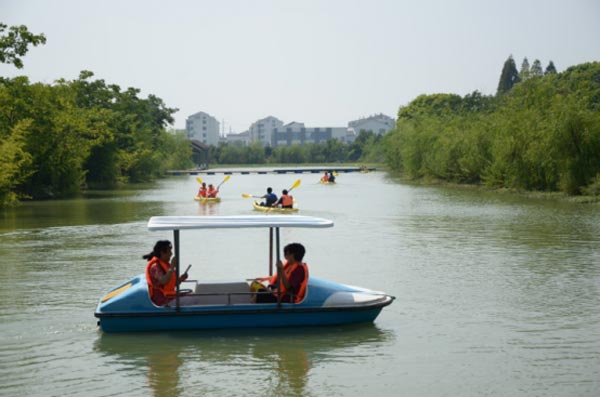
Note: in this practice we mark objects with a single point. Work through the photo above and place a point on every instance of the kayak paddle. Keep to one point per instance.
(295, 185)
(224, 180)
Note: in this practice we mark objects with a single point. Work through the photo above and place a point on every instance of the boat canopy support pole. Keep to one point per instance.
(178, 260)
(278, 273)
(270, 251)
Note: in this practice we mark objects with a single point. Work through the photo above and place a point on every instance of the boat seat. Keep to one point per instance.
(218, 294)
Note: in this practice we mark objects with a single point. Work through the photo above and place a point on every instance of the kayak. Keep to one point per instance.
(206, 200)
(327, 183)
(259, 207)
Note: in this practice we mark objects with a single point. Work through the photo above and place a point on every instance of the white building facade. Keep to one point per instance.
(262, 130)
(241, 139)
(297, 133)
(379, 124)
(203, 127)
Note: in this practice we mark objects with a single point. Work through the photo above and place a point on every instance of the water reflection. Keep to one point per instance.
(208, 208)
(263, 361)
(120, 207)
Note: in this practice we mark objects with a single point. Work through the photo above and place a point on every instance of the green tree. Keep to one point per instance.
(536, 69)
(14, 44)
(509, 76)
(178, 151)
(550, 69)
(16, 166)
(525, 72)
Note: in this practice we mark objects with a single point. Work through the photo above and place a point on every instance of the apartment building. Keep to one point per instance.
(203, 127)
(270, 131)
(297, 133)
(378, 124)
(262, 130)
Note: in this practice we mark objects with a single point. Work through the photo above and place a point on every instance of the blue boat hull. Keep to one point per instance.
(128, 308)
(190, 321)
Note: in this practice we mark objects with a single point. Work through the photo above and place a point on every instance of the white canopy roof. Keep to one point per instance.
(235, 222)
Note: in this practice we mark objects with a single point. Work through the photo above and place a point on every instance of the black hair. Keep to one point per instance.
(269, 190)
(160, 246)
(295, 249)
(284, 191)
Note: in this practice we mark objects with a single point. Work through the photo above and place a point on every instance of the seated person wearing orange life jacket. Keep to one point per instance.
(325, 177)
(285, 201)
(212, 191)
(203, 192)
(160, 273)
(294, 278)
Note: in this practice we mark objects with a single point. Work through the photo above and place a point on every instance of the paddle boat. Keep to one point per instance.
(128, 307)
(257, 207)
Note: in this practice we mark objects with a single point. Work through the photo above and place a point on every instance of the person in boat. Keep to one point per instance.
(212, 191)
(325, 177)
(285, 201)
(160, 273)
(331, 177)
(294, 278)
(202, 192)
(269, 199)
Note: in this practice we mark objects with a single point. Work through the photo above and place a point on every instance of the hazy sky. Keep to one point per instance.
(321, 62)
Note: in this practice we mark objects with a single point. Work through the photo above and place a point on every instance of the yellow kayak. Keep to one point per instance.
(206, 200)
(327, 183)
(259, 207)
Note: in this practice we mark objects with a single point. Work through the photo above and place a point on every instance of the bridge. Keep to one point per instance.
(269, 170)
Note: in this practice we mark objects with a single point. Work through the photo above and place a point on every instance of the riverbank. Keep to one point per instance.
(557, 196)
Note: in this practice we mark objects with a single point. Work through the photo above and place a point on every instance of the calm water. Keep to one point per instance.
(496, 295)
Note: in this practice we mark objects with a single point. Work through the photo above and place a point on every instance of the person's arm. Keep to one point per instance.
(164, 277)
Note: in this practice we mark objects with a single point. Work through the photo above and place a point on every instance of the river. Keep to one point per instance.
(496, 294)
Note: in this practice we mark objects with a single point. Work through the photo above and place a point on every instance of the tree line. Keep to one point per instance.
(364, 148)
(541, 132)
(57, 139)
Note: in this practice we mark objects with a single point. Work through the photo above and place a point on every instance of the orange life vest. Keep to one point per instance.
(288, 270)
(325, 178)
(202, 192)
(287, 200)
(212, 192)
(168, 288)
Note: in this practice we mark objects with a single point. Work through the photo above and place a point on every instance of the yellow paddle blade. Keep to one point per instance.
(246, 195)
(223, 181)
(295, 185)
(199, 179)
